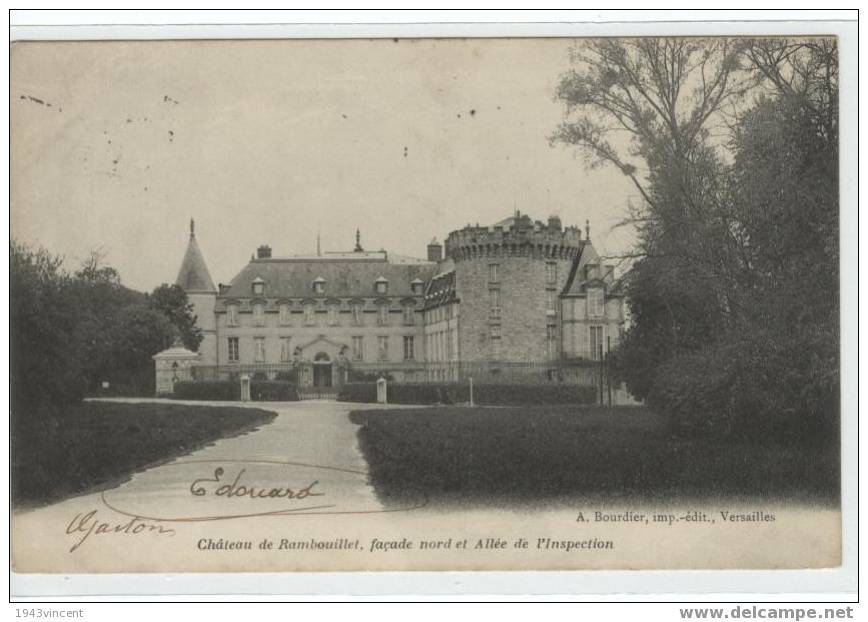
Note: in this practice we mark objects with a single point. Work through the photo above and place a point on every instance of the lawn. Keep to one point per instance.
(97, 445)
(557, 454)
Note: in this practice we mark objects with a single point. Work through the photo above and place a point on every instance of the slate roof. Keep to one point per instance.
(193, 275)
(344, 275)
(441, 290)
(575, 285)
(578, 282)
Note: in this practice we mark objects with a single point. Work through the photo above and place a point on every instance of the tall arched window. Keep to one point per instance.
(309, 318)
(357, 311)
(259, 314)
(232, 315)
(284, 316)
(383, 314)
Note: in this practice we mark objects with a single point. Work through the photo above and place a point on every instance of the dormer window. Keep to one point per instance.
(381, 286)
(258, 286)
(416, 287)
(319, 285)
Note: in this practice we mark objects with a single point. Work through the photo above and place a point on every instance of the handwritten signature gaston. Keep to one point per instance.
(83, 526)
(88, 524)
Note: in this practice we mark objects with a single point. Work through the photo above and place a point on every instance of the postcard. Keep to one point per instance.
(426, 303)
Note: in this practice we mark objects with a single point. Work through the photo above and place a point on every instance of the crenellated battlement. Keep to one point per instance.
(521, 239)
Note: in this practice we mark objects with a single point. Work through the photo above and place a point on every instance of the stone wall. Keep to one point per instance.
(522, 283)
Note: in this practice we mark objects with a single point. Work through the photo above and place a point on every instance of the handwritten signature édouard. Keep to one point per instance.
(208, 486)
(220, 485)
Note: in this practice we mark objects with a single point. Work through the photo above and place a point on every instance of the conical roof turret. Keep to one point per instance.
(193, 275)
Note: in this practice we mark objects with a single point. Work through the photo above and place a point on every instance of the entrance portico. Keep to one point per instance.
(321, 363)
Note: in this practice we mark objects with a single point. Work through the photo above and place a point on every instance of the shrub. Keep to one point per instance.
(285, 376)
(484, 394)
(364, 392)
(529, 394)
(365, 376)
(222, 390)
(273, 391)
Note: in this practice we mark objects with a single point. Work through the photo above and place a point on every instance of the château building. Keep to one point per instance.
(516, 297)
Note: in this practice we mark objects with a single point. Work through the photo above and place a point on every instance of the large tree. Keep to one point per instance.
(733, 145)
(649, 107)
(172, 301)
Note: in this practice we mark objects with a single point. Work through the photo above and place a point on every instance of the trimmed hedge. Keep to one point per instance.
(223, 390)
(273, 391)
(364, 392)
(230, 390)
(455, 393)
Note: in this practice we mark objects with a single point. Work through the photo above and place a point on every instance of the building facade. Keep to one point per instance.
(519, 296)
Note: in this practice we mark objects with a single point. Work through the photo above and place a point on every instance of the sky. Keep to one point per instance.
(116, 145)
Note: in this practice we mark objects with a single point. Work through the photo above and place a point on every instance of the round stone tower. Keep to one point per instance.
(508, 278)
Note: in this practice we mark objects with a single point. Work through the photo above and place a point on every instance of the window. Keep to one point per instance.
(596, 302)
(551, 341)
(550, 301)
(319, 285)
(381, 286)
(416, 287)
(492, 273)
(232, 315)
(551, 272)
(595, 341)
(358, 348)
(494, 302)
(409, 315)
(494, 339)
(333, 315)
(284, 316)
(233, 349)
(383, 315)
(358, 318)
(258, 286)
(308, 315)
(285, 349)
(382, 348)
(259, 349)
(258, 315)
(409, 342)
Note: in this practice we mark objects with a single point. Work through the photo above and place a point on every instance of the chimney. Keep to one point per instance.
(263, 252)
(435, 251)
(554, 223)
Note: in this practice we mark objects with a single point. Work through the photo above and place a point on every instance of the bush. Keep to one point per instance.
(273, 391)
(228, 390)
(222, 390)
(364, 392)
(529, 394)
(693, 391)
(484, 394)
(366, 376)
